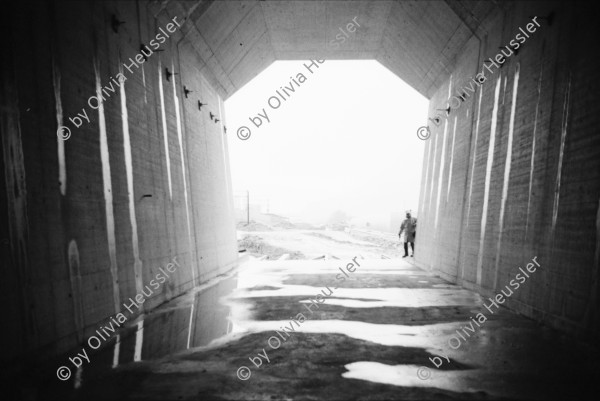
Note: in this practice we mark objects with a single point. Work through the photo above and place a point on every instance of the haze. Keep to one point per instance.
(345, 140)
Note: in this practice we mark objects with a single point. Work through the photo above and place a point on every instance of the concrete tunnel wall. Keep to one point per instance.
(87, 222)
(56, 250)
(514, 171)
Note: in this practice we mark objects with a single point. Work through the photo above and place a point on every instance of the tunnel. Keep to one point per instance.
(117, 206)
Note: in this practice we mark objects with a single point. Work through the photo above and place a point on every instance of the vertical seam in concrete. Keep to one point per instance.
(78, 373)
(537, 107)
(422, 191)
(160, 174)
(107, 183)
(137, 263)
(441, 170)
(474, 156)
(563, 138)
(164, 127)
(76, 288)
(591, 315)
(139, 342)
(195, 265)
(16, 193)
(442, 162)
(440, 176)
(427, 200)
(116, 351)
(139, 26)
(183, 176)
(426, 178)
(190, 326)
(451, 160)
(144, 83)
(62, 168)
(433, 160)
(507, 166)
(228, 186)
(470, 186)
(434, 150)
(488, 173)
(465, 200)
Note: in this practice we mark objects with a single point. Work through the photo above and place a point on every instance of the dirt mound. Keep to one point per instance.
(306, 226)
(256, 246)
(253, 226)
(286, 225)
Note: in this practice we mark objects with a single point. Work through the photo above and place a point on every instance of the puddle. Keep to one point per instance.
(406, 376)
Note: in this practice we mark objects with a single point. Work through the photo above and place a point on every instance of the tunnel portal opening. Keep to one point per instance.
(325, 143)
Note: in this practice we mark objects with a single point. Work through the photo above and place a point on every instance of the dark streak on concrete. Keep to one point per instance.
(306, 367)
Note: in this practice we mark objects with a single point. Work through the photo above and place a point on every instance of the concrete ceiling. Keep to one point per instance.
(417, 40)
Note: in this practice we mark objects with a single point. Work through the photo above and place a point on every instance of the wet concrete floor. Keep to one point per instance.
(371, 338)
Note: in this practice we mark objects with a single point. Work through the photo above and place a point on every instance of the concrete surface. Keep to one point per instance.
(350, 347)
(417, 40)
(514, 172)
(86, 222)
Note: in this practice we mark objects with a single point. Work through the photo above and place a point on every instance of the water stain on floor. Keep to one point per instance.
(370, 340)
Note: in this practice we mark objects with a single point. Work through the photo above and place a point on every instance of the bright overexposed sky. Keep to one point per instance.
(345, 139)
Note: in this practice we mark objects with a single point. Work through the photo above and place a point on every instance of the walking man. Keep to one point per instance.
(409, 227)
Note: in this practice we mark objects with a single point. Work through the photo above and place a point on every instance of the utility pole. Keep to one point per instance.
(247, 207)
